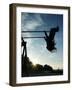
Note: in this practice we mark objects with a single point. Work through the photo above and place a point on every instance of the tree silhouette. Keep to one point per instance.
(26, 66)
(48, 68)
(39, 67)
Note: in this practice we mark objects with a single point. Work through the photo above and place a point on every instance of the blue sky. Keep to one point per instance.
(36, 48)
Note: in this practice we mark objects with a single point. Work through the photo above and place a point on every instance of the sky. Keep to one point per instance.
(36, 47)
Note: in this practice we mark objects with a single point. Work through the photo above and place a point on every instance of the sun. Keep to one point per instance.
(33, 60)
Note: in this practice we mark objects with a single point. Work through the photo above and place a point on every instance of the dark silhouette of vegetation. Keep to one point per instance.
(48, 68)
(28, 69)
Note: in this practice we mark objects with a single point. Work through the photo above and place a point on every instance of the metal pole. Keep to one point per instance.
(33, 31)
(33, 37)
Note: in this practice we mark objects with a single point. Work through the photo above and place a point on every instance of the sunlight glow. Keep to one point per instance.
(33, 60)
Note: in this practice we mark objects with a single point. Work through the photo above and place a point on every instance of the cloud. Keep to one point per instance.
(31, 21)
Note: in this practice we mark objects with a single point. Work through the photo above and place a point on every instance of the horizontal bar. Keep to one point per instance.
(33, 31)
(33, 37)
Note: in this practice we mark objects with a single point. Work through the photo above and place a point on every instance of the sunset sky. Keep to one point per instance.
(36, 47)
